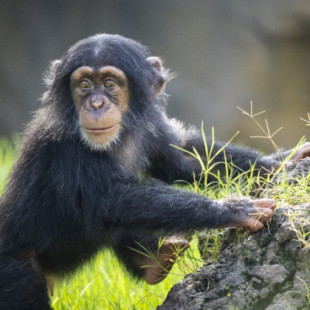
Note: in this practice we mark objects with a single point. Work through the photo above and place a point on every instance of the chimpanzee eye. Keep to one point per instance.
(109, 83)
(85, 84)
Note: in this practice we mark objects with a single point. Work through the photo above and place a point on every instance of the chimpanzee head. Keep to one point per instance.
(99, 81)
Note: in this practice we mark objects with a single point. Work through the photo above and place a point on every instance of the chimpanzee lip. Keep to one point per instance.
(98, 130)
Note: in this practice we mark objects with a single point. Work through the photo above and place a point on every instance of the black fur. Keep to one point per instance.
(64, 202)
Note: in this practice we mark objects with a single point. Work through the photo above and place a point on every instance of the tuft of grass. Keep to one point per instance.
(287, 192)
(103, 284)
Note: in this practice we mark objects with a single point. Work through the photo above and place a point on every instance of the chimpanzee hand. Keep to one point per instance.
(302, 152)
(249, 214)
(271, 162)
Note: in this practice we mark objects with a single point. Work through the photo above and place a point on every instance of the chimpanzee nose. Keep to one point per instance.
(97, 101)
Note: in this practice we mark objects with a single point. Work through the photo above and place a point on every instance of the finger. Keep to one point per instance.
(263, 215)
(254, 225)
(303, 152)
(265, 203)
(264, 209)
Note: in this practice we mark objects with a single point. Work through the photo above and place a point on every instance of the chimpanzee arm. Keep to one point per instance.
(170, 164)
(162, 207)
(242, 157)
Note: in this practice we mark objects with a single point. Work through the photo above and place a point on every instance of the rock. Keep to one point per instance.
(299, 168)
(269, 269)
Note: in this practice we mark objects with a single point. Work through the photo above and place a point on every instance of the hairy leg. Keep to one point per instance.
(146, 256)
(164, 259)
(22, 284)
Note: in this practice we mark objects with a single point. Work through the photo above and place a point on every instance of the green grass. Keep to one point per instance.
(7, 158)
(103, 284)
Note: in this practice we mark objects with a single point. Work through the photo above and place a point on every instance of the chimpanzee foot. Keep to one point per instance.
(157, 269)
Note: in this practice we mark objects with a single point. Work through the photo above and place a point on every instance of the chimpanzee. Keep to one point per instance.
(94, 170)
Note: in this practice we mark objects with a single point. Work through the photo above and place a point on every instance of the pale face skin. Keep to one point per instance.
(101, 98)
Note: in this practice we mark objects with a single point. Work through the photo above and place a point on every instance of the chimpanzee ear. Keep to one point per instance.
(50, 75)
(160, 79)
(55, 64)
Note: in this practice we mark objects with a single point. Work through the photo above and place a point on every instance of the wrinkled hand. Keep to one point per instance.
(263, 211)
(250, 214)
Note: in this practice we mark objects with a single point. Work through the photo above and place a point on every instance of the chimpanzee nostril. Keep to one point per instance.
(97, 101)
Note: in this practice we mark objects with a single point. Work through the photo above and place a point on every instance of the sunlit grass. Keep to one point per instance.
(104, 285)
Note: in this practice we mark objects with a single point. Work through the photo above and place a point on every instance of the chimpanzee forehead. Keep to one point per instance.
(99, 51)
(97, 72)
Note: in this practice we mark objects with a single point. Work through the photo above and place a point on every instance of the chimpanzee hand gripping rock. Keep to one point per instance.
(94, 170)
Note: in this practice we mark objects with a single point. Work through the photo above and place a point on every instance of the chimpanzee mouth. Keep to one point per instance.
(99, 130)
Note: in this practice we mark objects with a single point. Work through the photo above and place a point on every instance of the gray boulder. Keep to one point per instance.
(269, 269)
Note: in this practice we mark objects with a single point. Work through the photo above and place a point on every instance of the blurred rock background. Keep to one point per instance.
(225, 54)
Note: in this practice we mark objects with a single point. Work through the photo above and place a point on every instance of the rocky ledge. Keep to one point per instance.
(268, 270)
